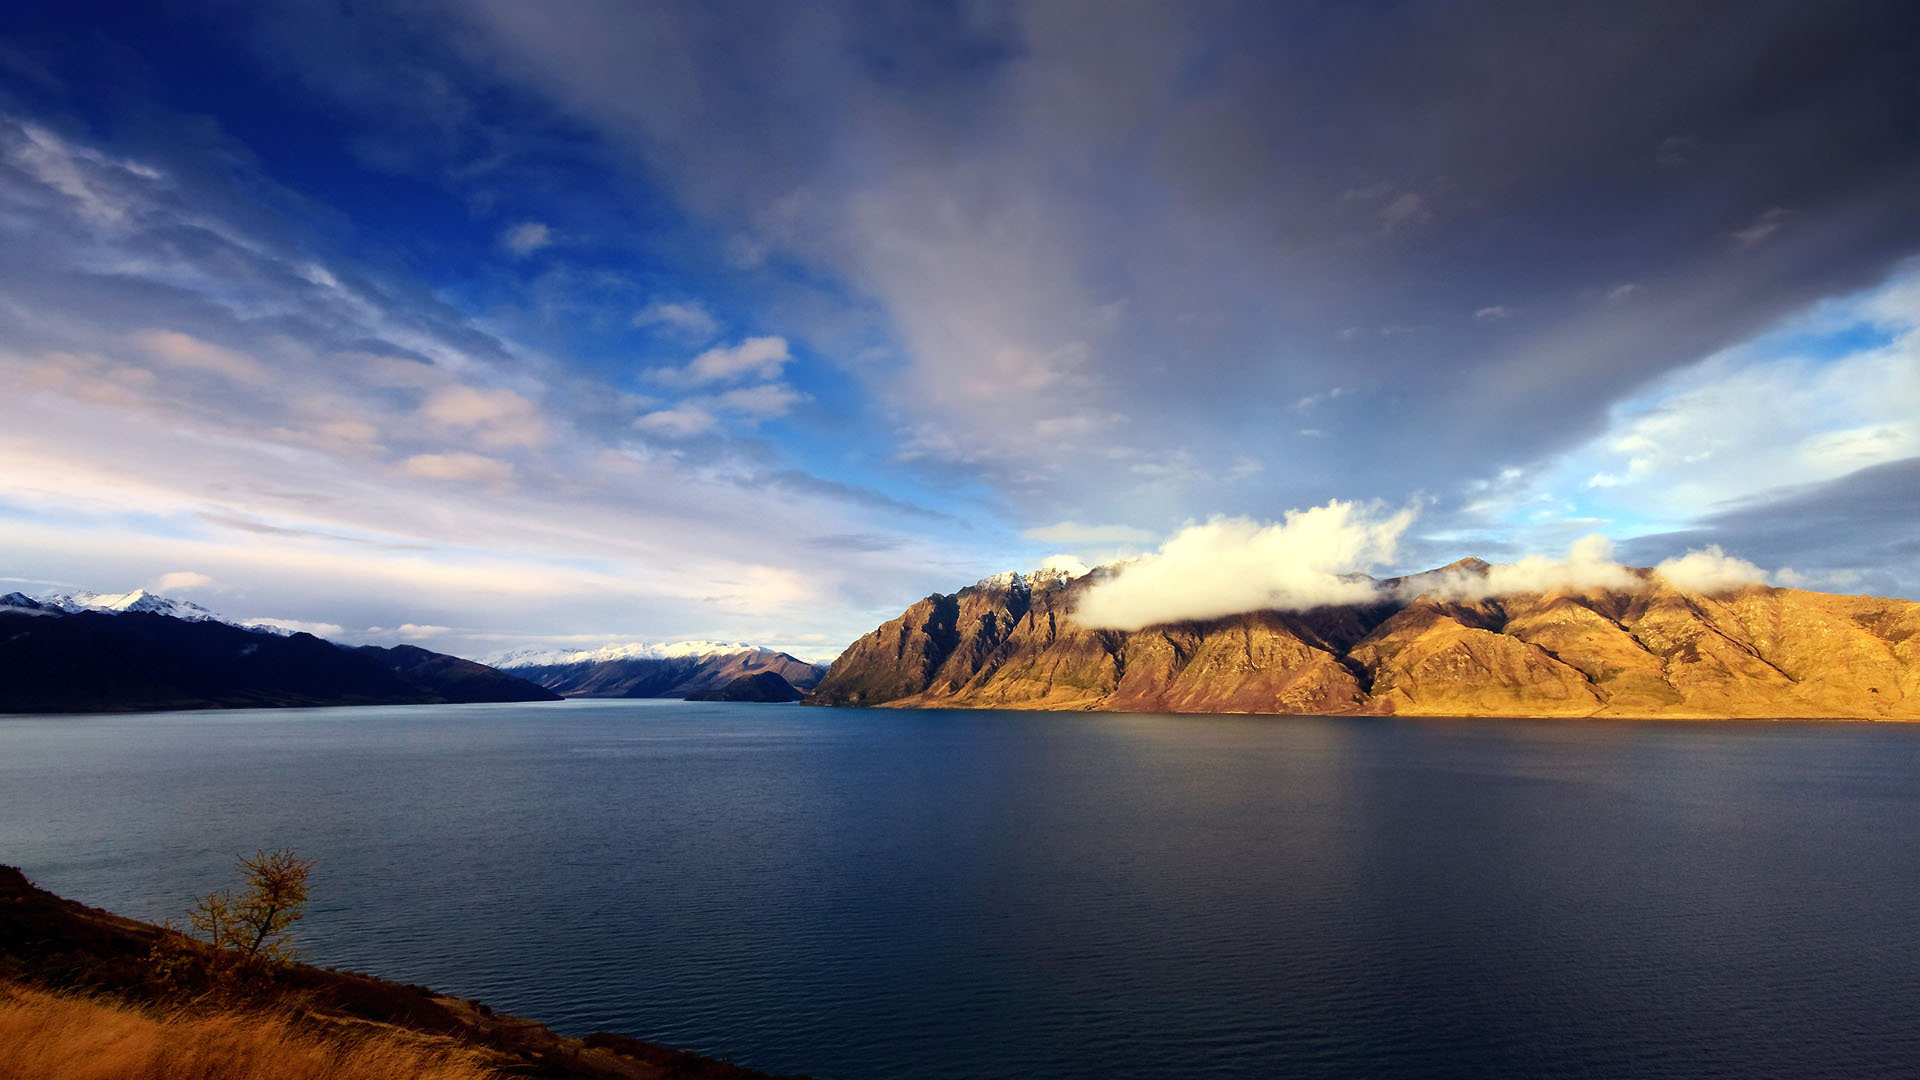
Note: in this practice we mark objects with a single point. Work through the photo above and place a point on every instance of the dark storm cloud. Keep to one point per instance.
(1140, 233)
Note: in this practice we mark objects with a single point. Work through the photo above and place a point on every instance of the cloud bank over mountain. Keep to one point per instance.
(1324, 556)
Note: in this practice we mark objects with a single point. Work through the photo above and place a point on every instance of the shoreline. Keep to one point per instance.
(61, 946)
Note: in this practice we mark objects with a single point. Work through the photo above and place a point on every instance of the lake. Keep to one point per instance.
(879, 894)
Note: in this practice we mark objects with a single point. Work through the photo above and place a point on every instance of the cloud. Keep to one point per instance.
(1073, 534)
(1230, 565)
(1854, 532)
(702, 414)
(758, 357)
(498, 417)
(182, 579)
(1831, 392)
(1405, 211)
(301, 626)
(679, 422)
(682, 318)
(964, 207)
(184, 351)
(1068, 565)
(526, 238)
(1675, 151)
(1762, 227)
(81, 174)
(458, 465)
(1312, 400)
(1588, 564)
(1493, 313)
(1710, 570)
(764, 401)
(194, 387)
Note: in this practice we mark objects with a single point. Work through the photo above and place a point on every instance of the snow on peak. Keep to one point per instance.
(143, 602)
(139, 600)
(631, 650)
(1055, 571)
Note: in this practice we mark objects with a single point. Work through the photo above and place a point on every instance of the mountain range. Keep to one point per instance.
(149, 654)
(1645, 648)
(706, 669)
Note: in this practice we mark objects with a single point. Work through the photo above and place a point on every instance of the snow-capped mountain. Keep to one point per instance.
(142, 601)
(631, 650)
(644, 669)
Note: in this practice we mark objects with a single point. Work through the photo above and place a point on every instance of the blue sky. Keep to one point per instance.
(487, 325)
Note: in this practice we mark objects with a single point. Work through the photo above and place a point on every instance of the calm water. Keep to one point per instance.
(941, 894)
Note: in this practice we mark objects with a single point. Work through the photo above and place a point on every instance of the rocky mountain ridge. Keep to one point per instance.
(604, 673)
(1650, 650)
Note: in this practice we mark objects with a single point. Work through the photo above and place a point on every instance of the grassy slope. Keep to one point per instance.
(46, 1036)
(141, 975)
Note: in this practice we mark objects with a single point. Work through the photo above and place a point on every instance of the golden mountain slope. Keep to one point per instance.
(1653, 650)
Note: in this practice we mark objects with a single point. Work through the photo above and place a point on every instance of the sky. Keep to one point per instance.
(488, 325)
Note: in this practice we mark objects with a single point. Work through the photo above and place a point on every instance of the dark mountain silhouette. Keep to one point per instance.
(89, 661)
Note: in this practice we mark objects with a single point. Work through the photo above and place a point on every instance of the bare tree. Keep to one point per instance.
(254, 924)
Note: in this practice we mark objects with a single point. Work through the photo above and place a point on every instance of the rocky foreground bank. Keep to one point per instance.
(50, 943)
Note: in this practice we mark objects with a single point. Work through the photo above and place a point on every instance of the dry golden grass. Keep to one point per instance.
(46, 1036)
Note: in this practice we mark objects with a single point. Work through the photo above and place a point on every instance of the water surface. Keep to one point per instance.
(876, 894)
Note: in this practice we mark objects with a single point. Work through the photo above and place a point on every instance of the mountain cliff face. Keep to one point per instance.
(1651, 650)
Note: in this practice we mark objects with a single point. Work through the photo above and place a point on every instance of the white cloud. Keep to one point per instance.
(760, 357)
(182, 579)
(301, 626)
(1710, 570)
(679, 422)
(1067, 565)
(1834, 579)
(79, 173)
(184, 351)
(1588, 564)
(526, 238)
(498, 417)
(458, 465)
(1230, 565)
(764, 401)
(1493, 313)
(684, 319)
(1312, 400)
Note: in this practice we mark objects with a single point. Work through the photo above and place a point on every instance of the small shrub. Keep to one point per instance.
(254, 925)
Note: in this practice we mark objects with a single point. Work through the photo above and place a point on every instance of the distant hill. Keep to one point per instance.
(765, 686)
(86, 660)
(1651, 649)
(657, 671)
